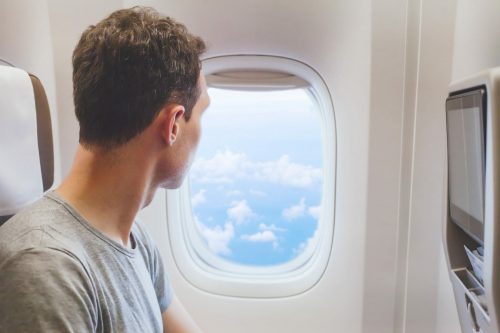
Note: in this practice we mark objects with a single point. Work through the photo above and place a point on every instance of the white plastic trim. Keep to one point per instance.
(211, 273)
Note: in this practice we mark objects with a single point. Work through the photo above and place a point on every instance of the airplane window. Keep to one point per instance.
(256, 184)
(255, 218)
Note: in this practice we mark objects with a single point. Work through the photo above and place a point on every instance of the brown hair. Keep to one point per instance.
(126, 68)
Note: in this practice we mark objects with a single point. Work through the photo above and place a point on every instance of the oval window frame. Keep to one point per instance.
(211, 273)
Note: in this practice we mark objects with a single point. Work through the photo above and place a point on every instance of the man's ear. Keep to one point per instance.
(170, 125)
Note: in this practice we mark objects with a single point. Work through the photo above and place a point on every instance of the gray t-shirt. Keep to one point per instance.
(60, 274)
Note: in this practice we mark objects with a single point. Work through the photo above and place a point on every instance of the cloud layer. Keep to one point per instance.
(228, 166)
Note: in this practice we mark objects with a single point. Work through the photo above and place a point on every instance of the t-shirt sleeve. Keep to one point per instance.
(46, 290)
(159, 276)
(163, 289)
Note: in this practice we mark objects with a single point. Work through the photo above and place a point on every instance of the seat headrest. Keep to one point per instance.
(26, 150)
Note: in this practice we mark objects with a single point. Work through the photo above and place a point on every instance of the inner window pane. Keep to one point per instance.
(256, 183)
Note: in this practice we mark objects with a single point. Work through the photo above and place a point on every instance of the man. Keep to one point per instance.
(75, 261)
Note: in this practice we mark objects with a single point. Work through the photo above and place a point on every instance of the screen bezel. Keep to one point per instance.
(471, 98)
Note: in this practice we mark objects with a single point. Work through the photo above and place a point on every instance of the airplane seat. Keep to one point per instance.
(26, 144)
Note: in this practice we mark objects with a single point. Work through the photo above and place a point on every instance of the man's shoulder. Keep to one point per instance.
(43, 224)
(38, 284)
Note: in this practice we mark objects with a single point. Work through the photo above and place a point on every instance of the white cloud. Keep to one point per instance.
(296, 211)
(285, 172)
(266, 236)
(271, 227)
(223, 167)
(217, 238)
(227, 166)
(314, 211)
(198, 198)
(307, 244)
(240, 212)
(261, 236)
(303, 246)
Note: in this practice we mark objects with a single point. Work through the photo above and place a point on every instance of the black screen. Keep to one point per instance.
(465, 121)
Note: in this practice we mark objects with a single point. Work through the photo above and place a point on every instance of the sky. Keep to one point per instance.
(256, 181)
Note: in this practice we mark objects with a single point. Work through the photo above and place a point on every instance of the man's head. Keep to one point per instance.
(126, 68)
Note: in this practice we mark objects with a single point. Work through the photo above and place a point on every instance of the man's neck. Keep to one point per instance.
(108, 190)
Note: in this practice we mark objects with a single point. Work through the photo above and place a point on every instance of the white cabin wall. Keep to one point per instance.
(386, 121)
(26, 42)
(405, 289)
(334, 38)
(424, 297)
(410, 82)
(477, 37)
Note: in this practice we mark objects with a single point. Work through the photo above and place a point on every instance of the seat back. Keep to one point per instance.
(26, 144)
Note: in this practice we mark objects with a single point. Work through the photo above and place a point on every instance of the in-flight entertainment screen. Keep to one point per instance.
(465, 121)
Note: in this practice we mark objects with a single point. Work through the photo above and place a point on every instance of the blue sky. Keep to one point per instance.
(256, 182)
